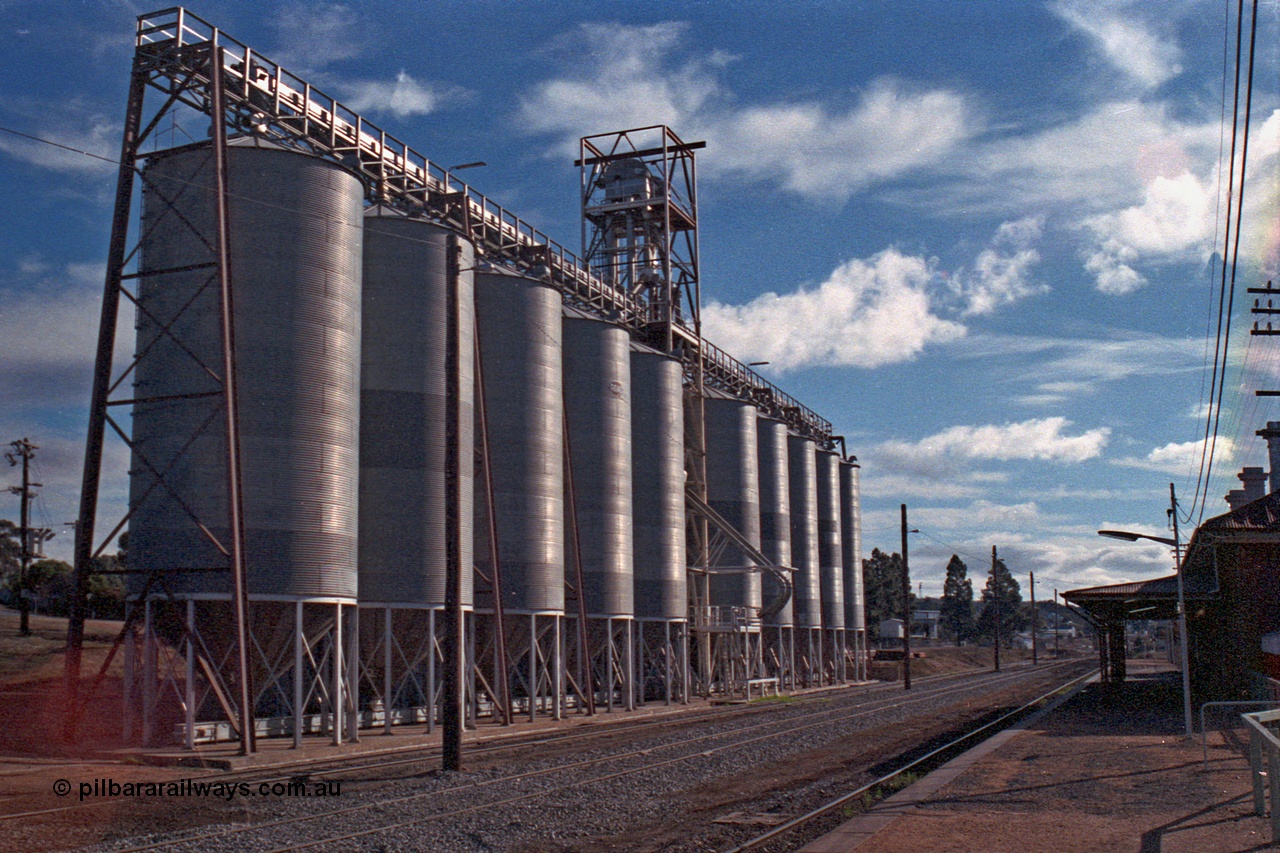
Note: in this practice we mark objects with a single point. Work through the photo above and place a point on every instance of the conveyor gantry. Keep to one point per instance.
(173, 51)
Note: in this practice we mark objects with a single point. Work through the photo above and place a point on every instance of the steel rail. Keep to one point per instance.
(888, 703)
(795, 823)
(510, 742)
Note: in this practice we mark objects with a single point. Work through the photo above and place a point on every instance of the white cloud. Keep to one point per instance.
(48, 335)
(1175, 219)
(1038, 438)
(1125, 42)
(75, 133)
(1181, 457)
(1110, 268)
(316, 35)
(820, 153)
(403, 97)
(1088, 361)
(1000, 273)
(631, 78)
(622, 81)
(866, 314)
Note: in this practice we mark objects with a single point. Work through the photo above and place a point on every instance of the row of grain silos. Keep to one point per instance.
(341, 342)
(797, 504)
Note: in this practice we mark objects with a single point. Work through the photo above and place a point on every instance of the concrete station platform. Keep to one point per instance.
(1108, 770)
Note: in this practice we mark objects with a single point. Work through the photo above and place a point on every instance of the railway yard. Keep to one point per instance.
(700, 778)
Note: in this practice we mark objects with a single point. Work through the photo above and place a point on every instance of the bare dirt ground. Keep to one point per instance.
(1109, 771)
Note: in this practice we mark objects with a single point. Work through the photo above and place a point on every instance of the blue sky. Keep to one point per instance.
(978, 237)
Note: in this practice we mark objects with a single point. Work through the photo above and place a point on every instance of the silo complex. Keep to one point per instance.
(519, 338)
(597, 417)
(295, 261)
(775, 542)
(855, 616)
(403, 453)
(831, 564)
(658, 524)
(802, 462)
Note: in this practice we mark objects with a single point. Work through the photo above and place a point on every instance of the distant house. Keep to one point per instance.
(891, 629)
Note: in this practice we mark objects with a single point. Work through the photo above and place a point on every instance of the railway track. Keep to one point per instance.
(928, 761)
(435, 808)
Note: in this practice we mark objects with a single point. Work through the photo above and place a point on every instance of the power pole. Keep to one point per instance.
(1057, 622)
(23, 449)
(1034, 657)
(906, 608)
(995, 596)
(453, 714)
(1182, 615)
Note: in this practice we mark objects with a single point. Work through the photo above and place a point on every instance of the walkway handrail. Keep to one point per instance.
(1261, 740)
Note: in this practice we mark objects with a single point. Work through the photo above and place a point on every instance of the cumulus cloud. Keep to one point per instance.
(1000, 273)
(1175, 218)
(866, 314)
(401, 97)
(632, 78)
(1038, 438)
(1110, 268)
(1126, 43)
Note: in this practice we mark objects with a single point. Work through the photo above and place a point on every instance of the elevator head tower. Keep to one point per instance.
(640, 226)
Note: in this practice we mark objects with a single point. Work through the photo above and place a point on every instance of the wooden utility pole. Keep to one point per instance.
(1057, 622)
(906, 607)
(23, 450)
(1034, 658)
(453, 713)
(995, 600)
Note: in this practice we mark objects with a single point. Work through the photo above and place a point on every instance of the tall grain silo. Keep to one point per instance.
(803, 472)
(404, 453)
(597, 415)
(733, 491)
(295, 265)
(831, 563)
(775, 543)
(519, 338)
(658, 523)
(855, 615)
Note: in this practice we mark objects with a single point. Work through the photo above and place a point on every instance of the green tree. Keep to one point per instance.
(1003, 587)
(957, 602)
(882, 583)
(50, 582)
(10, 559)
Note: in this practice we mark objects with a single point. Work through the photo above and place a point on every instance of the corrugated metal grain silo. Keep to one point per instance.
(402, 412)
(830, 556)
(802, 461)
(733, 490)
(597, 394)
(519, 339)
(775, 507)
(658, 482)
(296, 225)
(855, 617)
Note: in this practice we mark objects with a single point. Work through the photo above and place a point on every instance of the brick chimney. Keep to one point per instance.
(1272, 435)
(1255, 483)
(1236, 498)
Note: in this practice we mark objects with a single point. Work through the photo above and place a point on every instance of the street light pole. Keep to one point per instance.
(906, 608)
(1182, 614)
(1176, 543)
